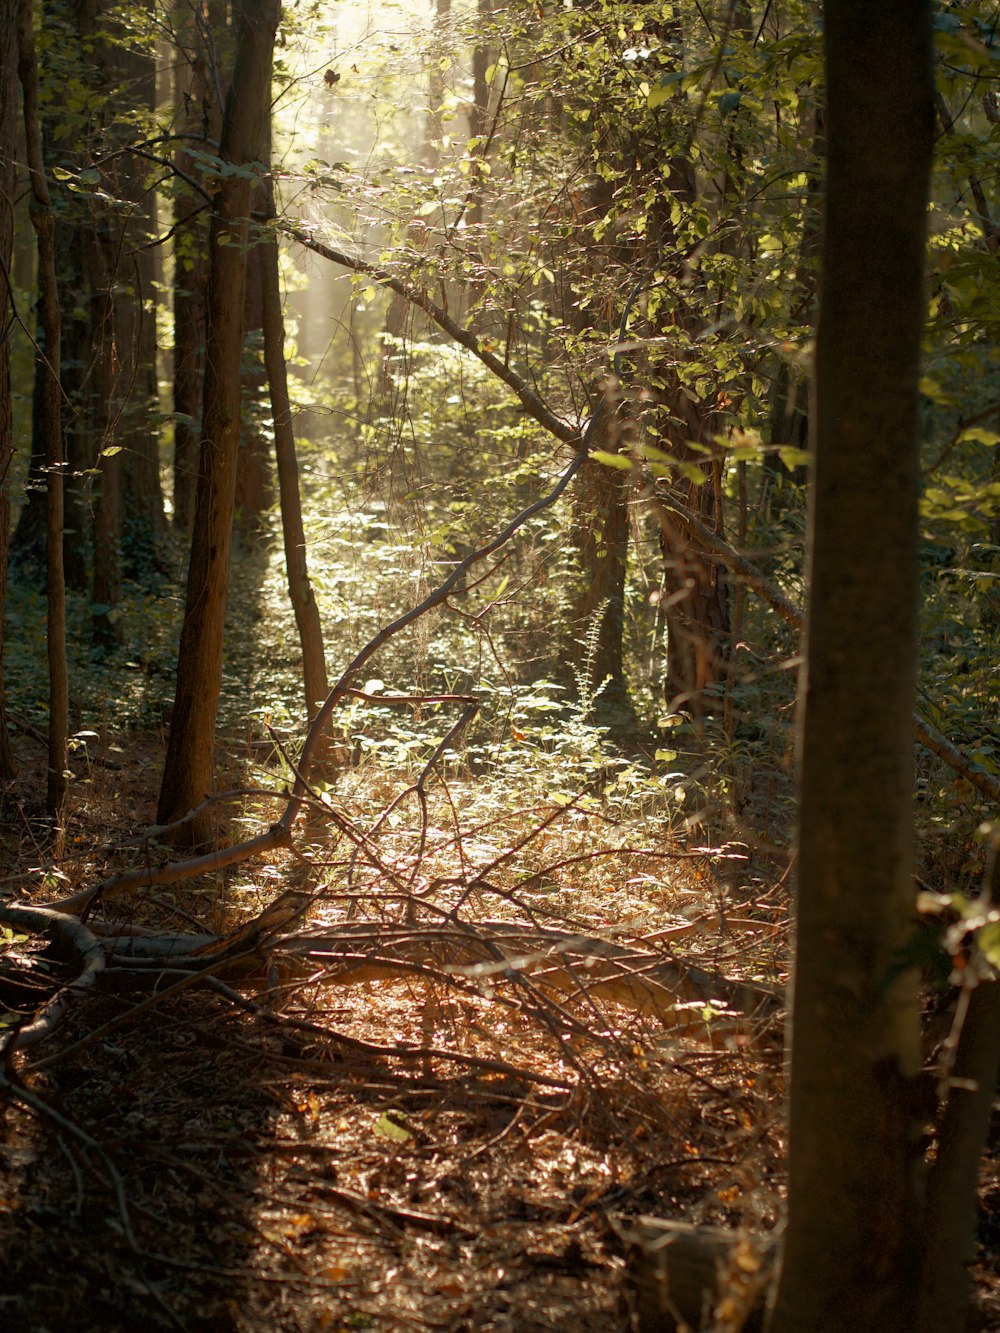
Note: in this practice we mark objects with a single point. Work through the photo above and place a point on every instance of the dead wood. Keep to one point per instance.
(684, 998)
(682, 1277)
(76, 940)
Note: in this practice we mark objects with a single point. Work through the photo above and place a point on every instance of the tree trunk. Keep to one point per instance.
(188, 771)
(949, 1239)
(199, 113)
(601, 532)
(8, 149)
(299, 587)
(850, 1250)
(107, 504)
(254, 482)
(49, 402)
(136, 400)
(478, 112)
(695, 598)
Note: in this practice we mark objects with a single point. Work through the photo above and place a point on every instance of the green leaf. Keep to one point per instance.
(792, 457)
(729, 102)
(612, 460)
(667, 88)
(390, 1125)
(978, 435)
(693, 473)
(989, 943)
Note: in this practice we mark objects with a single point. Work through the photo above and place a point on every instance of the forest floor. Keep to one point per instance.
(442, 1148)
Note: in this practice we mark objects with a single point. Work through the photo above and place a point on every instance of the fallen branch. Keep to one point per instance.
(170, 872)
(685, 998)
(78, 941)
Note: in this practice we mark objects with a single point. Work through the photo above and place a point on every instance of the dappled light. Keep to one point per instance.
(499, 768)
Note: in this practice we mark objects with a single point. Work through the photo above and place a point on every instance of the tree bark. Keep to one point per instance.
(601, 533)
(254, 480)
(49, 403)
(107, 505)
(188, 771)
(8, 149)
(136, 401)
(949, 1239)
(855, 1114)
(198, 112)
(300, 591)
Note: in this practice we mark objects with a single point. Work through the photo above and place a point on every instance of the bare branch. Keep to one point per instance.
(530, 400)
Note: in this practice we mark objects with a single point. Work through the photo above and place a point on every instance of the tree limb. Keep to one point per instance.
(530, 401)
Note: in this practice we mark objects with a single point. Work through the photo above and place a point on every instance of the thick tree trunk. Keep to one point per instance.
(188, 771)
(49, 403)
(8, 149)
(854, 1205)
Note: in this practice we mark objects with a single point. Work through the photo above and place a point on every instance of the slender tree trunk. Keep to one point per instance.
(107, 504)
(199, 113)
(8, 149)
(949, 1239)
(188, 771)
(601, 512)
(478, 112)
(855, 1116)
(695, 598)
(136, 392)
(50, 403)
(299, 587)
(254, 483)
